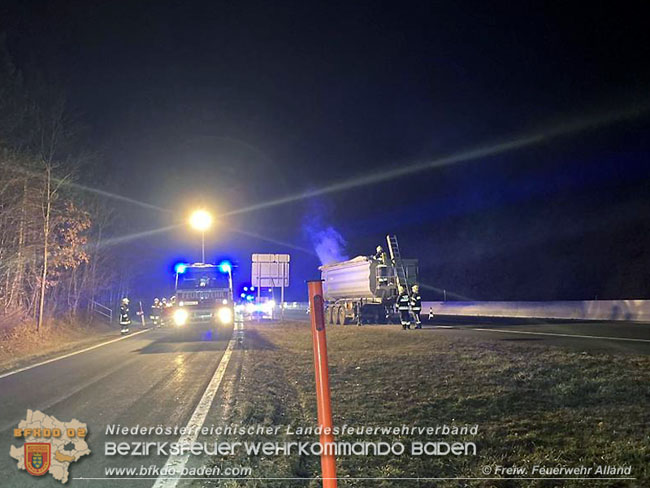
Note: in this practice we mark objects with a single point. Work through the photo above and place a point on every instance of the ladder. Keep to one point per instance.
(396, 258)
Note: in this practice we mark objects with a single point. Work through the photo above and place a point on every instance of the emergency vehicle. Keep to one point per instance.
(204, 293)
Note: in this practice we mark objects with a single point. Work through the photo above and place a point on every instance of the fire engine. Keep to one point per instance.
(204, 293)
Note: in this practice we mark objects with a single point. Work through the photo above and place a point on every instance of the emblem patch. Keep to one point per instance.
(37, 458)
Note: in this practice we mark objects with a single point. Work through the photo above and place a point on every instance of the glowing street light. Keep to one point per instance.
(201, 220)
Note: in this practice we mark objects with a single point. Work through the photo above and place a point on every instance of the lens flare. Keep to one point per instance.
(526, 140)
(130, 237)
(181, 317)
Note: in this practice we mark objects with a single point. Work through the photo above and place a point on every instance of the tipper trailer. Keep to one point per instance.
(365, 289)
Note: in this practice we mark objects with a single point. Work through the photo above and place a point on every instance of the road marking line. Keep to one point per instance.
(563, 335)
(200, 413)
(72, 353)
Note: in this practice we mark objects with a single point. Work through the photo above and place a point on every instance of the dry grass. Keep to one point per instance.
(534, 404)
(20, 344)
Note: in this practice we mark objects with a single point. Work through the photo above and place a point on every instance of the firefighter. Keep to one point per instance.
(381, 255)
(163, 311)
(382, 267)
(416, 305)
(404, 308)
(430, 314)
(125, 316)
(155, 312)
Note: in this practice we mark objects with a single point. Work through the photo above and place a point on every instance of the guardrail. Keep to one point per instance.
(612, 310)
(104, 311)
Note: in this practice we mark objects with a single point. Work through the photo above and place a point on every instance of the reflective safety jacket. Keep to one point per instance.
(125, 317)
(403, 302)
(382, 257)
(416, 302)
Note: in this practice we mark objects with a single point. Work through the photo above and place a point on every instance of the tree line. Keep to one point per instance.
(53, 255)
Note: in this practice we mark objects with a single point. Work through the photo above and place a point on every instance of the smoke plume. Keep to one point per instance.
(327, 241)
(329, 245)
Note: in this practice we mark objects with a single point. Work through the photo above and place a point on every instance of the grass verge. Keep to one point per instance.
(22, 345)
(534, 404)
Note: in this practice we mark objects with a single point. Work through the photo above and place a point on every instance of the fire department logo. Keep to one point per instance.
(37, 457)
(50, 445)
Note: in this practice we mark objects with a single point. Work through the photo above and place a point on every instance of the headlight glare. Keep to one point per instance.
(180, 317)
(224, 315)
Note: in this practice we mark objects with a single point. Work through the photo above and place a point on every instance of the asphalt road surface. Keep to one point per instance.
(592, 336)
(154, 377)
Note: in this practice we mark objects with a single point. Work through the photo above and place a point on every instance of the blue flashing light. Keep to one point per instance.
(245, 288)
(249, 298)
(225, 266)
(180, 268)
(243, 295)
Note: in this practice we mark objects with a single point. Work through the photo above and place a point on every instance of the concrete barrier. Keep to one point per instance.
(623, 310)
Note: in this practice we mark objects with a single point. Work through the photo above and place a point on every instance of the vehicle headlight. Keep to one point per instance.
(224, 315)
(181, 316)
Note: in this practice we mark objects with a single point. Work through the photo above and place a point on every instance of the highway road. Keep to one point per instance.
(158, 376)
(592, 336)
(596, 336)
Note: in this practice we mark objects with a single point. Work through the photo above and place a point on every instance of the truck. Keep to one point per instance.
(204, 293)
(365, 289)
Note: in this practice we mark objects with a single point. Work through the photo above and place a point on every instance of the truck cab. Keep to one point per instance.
(204, 293)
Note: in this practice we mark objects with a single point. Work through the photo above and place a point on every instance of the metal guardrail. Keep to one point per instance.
(102, 310)
(610, 310)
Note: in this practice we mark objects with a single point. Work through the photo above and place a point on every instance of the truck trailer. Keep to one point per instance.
(365, 289)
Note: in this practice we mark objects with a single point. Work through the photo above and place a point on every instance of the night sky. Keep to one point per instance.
(231, 104)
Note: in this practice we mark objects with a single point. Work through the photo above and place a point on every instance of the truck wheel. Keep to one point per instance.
(341, 314)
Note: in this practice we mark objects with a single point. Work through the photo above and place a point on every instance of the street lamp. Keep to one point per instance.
(201, 220)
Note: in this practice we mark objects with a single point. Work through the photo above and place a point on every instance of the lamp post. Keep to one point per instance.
(201, 220)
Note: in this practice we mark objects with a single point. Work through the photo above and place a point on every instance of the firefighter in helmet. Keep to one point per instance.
(381, 255)
(404, 308)
(155, 312)
(382, 267)
(125, 316)
(163, 311)
(416, 305)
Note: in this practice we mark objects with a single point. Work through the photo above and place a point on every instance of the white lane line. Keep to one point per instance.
(177, 463)
(563, 335)
(26, 368)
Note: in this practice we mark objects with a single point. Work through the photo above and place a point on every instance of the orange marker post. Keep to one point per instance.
(323, 400)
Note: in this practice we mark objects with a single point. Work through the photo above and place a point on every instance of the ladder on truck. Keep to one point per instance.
(396, 258)
(400, 272)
